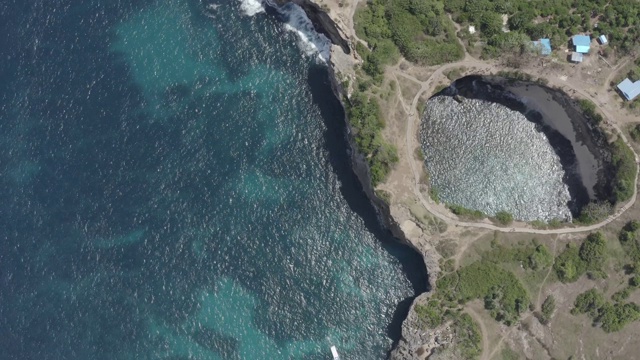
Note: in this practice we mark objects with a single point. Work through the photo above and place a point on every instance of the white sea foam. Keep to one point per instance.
(310, 41)
(251, 7)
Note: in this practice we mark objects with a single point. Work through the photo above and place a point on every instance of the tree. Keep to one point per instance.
(589, 302)
(592, 251)
(490, 24)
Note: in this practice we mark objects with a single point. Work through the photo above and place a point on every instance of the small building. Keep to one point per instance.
(603, 40)
(582, 43)
(577, 57)
(630, 90)
(543, 46)
(472, 29)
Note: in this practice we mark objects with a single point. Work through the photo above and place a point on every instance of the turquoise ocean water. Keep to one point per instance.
(174, 184)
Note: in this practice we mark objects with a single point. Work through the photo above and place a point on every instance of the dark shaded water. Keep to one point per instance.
(176, 186)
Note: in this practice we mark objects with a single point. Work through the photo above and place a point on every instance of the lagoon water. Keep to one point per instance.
(176, 185)
(485, 156)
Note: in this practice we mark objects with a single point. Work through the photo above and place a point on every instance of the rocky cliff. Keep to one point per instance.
(415, 343)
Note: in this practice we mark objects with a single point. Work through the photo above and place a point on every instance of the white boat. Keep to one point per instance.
(334, 352)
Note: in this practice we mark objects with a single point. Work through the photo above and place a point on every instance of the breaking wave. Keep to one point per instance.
(251, 7)
(310, 41)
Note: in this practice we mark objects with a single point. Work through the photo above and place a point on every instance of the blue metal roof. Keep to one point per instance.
(544, 45)
(629, 89)
(582, 43)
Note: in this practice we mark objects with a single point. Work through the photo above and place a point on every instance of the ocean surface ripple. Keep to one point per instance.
(175, 185)
(484, 156)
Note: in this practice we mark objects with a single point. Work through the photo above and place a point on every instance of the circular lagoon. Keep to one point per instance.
(496, 145)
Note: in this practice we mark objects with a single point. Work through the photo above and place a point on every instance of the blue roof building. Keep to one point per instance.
(543, 45)
(582, 43)
(630, 90)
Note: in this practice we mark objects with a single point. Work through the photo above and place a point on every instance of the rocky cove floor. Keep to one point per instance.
(513, 146)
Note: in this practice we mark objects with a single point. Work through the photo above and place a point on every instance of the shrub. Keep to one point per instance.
(621, 295)
(547, 309)
(466, 213)
(589, 110)
(635, 132)
(468, 336)
(568, 265)
(593, 251)
(366, 121)
(431, 313)
(594, 212)
(504, 217)
(614, 317)
(573, 262)
(589, 302)
(624, 162)
(485, 280)
(611, 317)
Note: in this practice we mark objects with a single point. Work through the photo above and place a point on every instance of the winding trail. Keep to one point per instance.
(442, 213)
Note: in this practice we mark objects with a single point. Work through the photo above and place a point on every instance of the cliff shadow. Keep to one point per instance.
(337, 144)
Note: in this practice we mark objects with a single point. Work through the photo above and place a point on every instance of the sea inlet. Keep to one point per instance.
(494, 144)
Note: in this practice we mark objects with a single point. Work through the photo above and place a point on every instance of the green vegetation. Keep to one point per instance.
(466, 213)
(367, 123)
(611, 317)
(594, 212)
(624, 162)
(467, 336)
(420, 30)
(635, 132)
(503, 294)
(589, 109)
(432, 313)
(573, 262)
(433, 194)
(547, 309)
(621, 295)
(535, 257)
(553, 19)
(628, 238)
(504, 218)
(589, 302)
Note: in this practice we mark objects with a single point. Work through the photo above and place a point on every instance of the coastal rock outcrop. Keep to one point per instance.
(321, 21)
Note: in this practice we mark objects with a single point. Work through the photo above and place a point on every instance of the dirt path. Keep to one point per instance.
(463, 248)
(483, 330)
(440, 211)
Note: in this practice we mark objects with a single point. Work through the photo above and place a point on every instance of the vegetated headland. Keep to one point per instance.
(490, 270)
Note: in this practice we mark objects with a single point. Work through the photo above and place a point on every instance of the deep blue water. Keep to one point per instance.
(174, 184)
